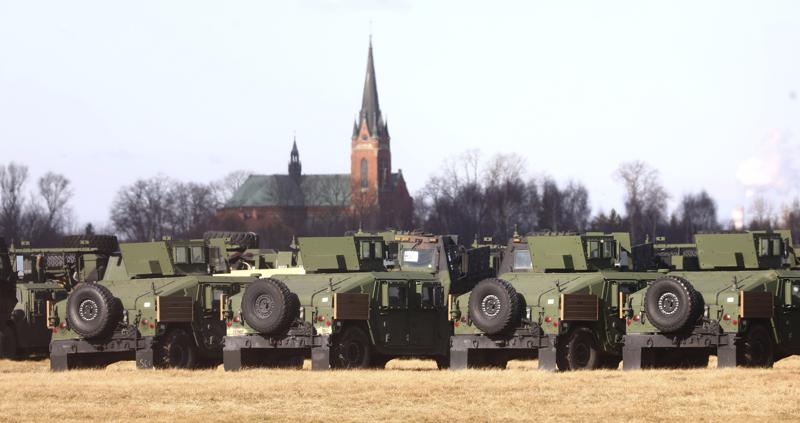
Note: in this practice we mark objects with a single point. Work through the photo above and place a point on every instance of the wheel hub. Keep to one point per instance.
(88, 310)
(490, 305)
(264, 306)
(668, 303)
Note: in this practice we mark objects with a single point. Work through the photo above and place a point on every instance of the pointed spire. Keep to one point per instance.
(370, 109)
(295, 167)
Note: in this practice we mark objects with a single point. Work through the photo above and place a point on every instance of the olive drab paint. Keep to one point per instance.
(747, 286)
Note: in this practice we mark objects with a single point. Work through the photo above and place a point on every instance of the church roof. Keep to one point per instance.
(284, 191)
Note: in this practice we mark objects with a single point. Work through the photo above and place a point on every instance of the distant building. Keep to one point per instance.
(294, 203)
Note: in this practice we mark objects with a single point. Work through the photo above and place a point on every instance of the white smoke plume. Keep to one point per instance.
(771, 175)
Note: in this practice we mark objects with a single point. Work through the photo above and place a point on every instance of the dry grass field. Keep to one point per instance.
(406, 391)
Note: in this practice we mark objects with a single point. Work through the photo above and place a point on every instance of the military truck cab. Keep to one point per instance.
(556, 297)
(735, 297)
(157, 304)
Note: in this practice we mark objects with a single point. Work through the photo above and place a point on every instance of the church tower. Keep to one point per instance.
(295, 167)
(370, 158)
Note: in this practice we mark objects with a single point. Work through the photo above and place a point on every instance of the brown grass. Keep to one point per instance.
(408, 391)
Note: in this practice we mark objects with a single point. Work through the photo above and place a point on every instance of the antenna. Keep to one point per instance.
(370, 32)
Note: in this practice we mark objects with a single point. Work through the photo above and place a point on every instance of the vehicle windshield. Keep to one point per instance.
(522, 260)
(419, 259)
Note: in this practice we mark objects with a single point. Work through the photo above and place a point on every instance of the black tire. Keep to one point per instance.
(8, 343)
(104, 243)
(176, 350)
(269, 307)
(243, 239)
(756, 349)
(579, 351)
(92, 311)
(610, 362)
(351, 350)
(494, 306)
(671, 304)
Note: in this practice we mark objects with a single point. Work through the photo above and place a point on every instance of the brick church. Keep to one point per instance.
(371, 196)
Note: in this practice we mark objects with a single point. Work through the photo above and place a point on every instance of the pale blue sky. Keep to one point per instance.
(108, 92)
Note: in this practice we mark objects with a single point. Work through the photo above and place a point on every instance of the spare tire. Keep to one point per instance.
(671, 304)
(269, 307)
(494, 306)
(104, 243)
(92, 311)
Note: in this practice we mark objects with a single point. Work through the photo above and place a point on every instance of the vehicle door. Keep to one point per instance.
(392, 318)
(426, 314)
(791, 314)
(213, 326)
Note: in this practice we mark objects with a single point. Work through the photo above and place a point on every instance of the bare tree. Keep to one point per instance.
(12, 180)
(226, 187)
(142, 211)
(575, 208)
(645, 198)
(696, 213)
(56, 192)
(762, 214)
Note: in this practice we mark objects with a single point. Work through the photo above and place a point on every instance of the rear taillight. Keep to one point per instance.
(726, 317)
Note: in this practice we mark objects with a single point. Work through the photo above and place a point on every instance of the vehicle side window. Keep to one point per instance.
(796, 293)
(594, 249)
(181, 255)
(19, 295)
(426, 296)
(198, 255)
(397, 296)
(522, 260)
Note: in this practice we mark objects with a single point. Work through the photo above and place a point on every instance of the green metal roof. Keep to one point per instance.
(283, 190)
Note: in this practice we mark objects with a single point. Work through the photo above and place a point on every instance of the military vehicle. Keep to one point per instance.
(44, 275)
(556, 296)
(353, 312)
(736, 295)
(157, 303)
(8, 300)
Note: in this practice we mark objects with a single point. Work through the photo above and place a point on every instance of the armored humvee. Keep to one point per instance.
(353, 312)
(556, 296)
(8, 300)
(736, 295)
(158, 303)
(45, 275)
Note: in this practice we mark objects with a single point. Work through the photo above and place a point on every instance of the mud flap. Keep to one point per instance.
(321, 355)
(232, 359)
(631, 358)
(547, 355)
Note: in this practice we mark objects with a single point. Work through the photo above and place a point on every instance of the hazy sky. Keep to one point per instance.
(109, 92)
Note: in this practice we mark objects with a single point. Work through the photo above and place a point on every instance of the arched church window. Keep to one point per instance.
(364, 177)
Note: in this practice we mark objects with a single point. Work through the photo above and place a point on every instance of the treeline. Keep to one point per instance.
(468, 197)
(41, 216)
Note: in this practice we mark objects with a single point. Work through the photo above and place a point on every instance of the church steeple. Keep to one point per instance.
(370, 108)
(295, 167)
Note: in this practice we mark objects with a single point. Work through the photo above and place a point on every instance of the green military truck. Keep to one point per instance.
(8, 300)
(556, 296)
(351, 312)
(736, 295)
(158, 304)
(43, 276)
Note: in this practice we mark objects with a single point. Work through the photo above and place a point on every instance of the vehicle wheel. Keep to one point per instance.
(92, 311)
(494, 306)
(176, 351)
(579, 352)
(610, 362)
(8, 343)
(756, 349)
(104, 243)
(351, 350)
(671, 304)
(269, 307)
(378, 361)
